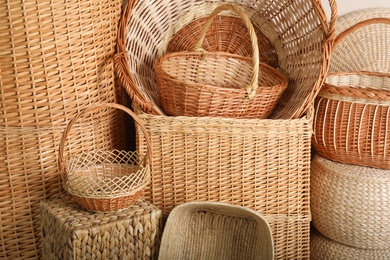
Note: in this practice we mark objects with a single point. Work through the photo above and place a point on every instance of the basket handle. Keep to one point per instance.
(94, 107)
(251, 89)
(357, 26)
(330, 29)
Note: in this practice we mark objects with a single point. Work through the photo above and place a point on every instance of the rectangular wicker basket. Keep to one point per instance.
(260, 164)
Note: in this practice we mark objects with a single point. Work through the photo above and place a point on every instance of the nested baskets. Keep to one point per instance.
(352, 114)
(350, 204)
(212, 230)
(298, 30)
(201, 83)
(105, 180)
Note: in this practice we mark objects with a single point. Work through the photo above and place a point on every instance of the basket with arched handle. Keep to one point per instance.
(352, 111)
(104, 180)
(201, 83)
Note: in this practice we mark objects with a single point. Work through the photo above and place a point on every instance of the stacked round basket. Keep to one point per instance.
(56, 58)
(350, 174)
(262, 164)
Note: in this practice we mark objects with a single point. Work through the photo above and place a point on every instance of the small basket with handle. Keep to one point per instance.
(201, 83)
(105, 180)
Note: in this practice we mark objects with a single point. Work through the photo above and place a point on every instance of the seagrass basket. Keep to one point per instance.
(201, 83)
(322, 247)
(105, 180)
(212, 230)
(350, 203)
(297, 30)
(352, 113)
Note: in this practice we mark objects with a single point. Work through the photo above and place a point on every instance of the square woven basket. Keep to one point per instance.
(71, 232)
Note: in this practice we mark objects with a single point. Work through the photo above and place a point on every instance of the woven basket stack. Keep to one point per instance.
(262, 163)
(350, 174)
(56, 58)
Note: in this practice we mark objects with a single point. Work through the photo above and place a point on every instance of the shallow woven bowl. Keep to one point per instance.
(214, 230)
(350, 204)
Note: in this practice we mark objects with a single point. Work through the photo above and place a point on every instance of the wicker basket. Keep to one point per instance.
(103, 180)
(324, 248)
(55, 59)
(260, 164)
(350, 204)
(71, 232)
(302, 42)
(352, 113)
(212, 230)
(359, 50)
(201, 83)
(29, 174)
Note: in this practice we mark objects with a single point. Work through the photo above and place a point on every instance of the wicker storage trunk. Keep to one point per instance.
(71, 232)
(260, 164)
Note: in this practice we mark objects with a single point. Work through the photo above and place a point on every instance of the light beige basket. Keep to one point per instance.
(55, 59)
(210, 83)
(105, 180)
(302, 42)
(350, 204)
(359, 51)
(324, 248)
(212, 230)
(352, 111)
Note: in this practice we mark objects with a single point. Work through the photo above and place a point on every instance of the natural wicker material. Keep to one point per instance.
(226, 33)
(350, 204)
(352, 112)
(260, 164)
(359, 50)
(212, 230)
(201, 83)
(298, 29)
(105, 180)
(70, 232)
(55, 59)
(29, 174)
(323, 248)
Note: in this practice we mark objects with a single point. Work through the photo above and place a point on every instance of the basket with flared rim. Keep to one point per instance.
(104, 180)
(352, 113)
(201, 83)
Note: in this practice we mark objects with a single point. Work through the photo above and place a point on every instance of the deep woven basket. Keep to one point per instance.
(352, 114)
(102, 180)
(350, 203)
(212, 230)
(201, 83)
(322, 247)
(302, 42)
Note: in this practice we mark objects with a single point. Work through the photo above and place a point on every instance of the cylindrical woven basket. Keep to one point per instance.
(352, 114)
(55, 59)
(212, 230)
(201, 83)
(351, 204)
(359, 50)
(105, 180)
(302, 42)
(322, 248)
